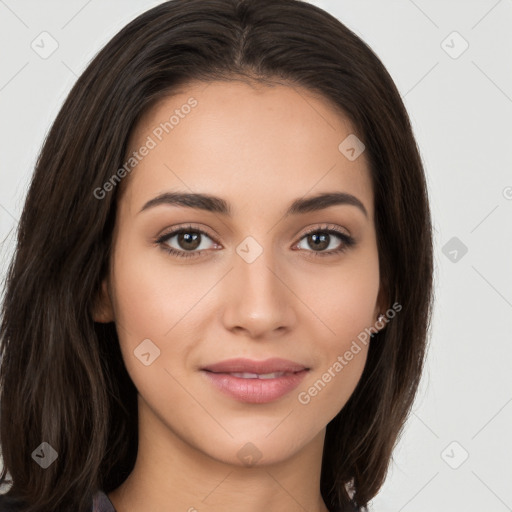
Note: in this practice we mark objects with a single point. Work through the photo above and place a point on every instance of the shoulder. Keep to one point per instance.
(100, 503)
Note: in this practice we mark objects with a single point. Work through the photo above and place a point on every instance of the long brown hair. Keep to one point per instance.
(62, 376)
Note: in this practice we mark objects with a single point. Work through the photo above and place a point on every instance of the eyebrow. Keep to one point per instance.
(218, 205)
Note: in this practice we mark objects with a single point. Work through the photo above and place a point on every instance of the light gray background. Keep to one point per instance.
(461, 111)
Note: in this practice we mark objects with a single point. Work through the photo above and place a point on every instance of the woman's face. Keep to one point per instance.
(250, 282)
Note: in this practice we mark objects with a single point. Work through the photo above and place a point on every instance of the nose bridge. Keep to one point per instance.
(260, 301)
(255, 267)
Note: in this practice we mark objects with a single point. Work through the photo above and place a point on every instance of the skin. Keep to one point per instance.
(259, 148)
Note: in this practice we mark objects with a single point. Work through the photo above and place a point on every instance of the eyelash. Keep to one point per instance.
(347, 241)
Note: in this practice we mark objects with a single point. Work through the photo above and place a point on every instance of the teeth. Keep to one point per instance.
(246, 375)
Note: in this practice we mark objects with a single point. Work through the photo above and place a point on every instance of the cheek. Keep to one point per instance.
(160, 302)
(343, 358)
(147, 307)
(151, 296)
(343, 301)
(140, 299)
(345, 304)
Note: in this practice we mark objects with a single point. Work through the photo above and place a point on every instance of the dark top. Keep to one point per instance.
(100, 503)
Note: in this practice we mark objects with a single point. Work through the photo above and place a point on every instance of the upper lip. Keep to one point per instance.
(272, 365)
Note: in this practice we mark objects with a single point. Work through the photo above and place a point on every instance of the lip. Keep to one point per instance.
(255, 390)
(274, 364)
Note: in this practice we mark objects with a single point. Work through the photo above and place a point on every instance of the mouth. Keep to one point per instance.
(248, 375)
(253, 381)
(251, 367)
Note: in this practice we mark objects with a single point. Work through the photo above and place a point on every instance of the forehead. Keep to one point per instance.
(255, 145)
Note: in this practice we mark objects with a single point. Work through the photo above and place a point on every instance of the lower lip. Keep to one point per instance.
(255, 391)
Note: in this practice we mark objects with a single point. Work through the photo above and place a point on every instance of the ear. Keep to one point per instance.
(103, 311)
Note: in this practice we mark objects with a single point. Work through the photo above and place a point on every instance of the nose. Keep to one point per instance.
(259, 299)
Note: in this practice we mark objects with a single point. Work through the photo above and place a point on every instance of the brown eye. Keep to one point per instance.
(188, 242)
(319, 239)
(319, 242)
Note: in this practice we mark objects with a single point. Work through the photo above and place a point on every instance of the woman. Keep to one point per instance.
(221, 291)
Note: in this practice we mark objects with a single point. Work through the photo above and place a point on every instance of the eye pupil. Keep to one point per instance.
(189, 239)
(319, 240)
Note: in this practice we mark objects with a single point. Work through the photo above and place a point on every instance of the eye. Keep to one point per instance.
(321, 238)
(188, 239)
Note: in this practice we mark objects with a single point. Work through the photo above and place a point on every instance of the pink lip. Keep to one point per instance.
(255, 390)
